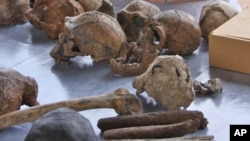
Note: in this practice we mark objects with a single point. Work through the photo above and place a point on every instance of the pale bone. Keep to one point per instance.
(120, 100)
(214, 14)
(168, 81)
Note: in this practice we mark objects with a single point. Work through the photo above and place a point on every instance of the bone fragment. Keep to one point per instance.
(154, 131)
(120, 100)
(210, 87)
(154, 118)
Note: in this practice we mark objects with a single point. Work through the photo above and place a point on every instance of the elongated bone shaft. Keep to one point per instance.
(120, 100)
(154, 131)
(154, 118)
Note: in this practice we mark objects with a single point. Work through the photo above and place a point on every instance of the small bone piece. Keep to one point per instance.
(154, 131)
(154, 118)
(16, 90)
(12, 11)
(120, 100)
(210, 87)
(168, 81)
(214, 14)
(61, 124)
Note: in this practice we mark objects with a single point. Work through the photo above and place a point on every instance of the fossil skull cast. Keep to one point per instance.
(49, 15)
(12, 11)
(104, 6)
(168, 81)
(176, 31)
(214, 14)
(91, 33)
(133, 17)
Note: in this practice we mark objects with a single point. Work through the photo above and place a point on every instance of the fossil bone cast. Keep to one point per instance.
(214, 14)
(16, 90)
(62, 124)
(49, 15)
(176, 31)
(168, 81)
(120, 100)
(91, 33)
(134, 16)
(104, 6)
(12, 11)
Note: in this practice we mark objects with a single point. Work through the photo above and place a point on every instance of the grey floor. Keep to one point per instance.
(26, 50)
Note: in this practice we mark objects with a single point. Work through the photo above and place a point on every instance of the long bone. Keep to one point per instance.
(120, 100)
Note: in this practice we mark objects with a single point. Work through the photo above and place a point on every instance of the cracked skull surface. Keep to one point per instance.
(214, 14)
(134, 16)
(16, 90)
(91, 33)
(49, 15)
(176, 31)
(12, 11)
(168, 81)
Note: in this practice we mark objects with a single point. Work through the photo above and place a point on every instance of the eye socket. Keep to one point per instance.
(139, 22)
(156, 38)
(121, 18)
(75, 49)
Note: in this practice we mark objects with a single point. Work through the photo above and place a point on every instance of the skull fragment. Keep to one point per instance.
(214, 14)
(91, 33)
(176, 31)
(133, 17)
(49, 15)
(16, 90)
(168, 81)
(12, 11)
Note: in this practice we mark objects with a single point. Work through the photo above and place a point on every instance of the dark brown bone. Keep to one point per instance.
(154, 131)
(154, 118)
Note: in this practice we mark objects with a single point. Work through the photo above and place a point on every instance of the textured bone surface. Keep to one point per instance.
(168, 81)
(90, 5)
(16, 90)
(120, 100)
(210, 87)
(91, 33)
(61, 124)
(12, 11)
(214, 14)
(176, 31)
(134, 16)
(49, 15)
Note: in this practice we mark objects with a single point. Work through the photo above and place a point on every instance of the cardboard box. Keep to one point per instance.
(229, 44)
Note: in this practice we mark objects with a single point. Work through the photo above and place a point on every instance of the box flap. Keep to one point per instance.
(236, 27)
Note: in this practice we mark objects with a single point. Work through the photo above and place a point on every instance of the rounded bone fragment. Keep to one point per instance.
(214, 14)
(168, 81)
(134, 16)
(90, 5)
(49, 15)
(16, 90)
(62, 124)
(12, 11)
(91, 33)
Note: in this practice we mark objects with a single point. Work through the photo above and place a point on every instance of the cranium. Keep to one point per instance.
(104, 6)
(90, 33)
(49, 15)
(168, 81)
(12, 11)
(133, 17)
(214, 14)
(176, 31)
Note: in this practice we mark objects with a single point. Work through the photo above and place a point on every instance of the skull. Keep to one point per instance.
(90, 33)
(174, 30)
(133, 17)
(49, 15)
(12, 11)
(168, 81)
(214, 14)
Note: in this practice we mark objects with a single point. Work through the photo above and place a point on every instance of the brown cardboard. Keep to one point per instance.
(229, 44)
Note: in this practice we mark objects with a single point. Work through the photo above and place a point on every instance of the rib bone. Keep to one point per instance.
(120, 100)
